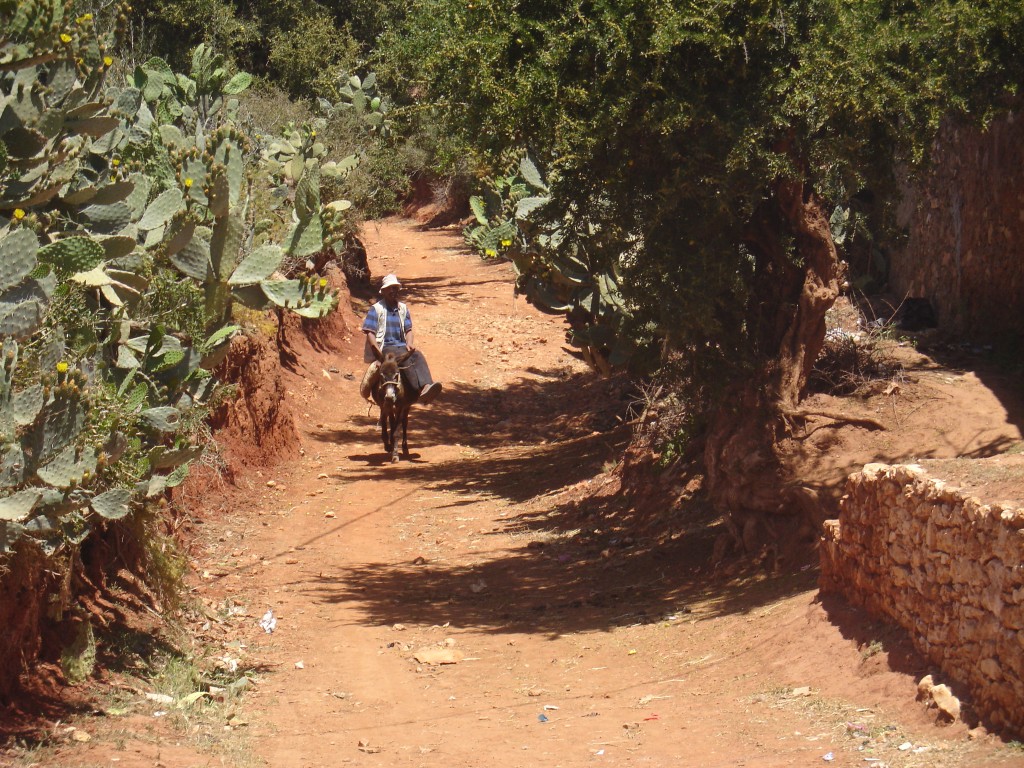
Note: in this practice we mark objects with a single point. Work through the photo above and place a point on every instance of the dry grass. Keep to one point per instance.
(879, 741)
(855, 355)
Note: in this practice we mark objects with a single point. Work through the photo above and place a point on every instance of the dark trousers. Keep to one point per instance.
(415, 368)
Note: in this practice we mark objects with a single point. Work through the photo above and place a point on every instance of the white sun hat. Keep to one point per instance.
(388, 281)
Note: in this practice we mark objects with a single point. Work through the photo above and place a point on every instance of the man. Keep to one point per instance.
(388, 328)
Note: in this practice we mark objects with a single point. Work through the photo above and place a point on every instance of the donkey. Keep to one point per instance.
(394, 397)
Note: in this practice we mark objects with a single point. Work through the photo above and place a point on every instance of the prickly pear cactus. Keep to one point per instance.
(360, 96)
(56, 120)
(286, 157)
(69, 214)
(509, 199)
(111, 191)
(563, 266)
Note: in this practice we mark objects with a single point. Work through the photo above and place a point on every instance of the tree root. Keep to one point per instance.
(836, 416)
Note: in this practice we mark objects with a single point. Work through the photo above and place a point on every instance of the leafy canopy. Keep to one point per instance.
(672, 121)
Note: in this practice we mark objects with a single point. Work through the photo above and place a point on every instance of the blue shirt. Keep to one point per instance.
(393, 335)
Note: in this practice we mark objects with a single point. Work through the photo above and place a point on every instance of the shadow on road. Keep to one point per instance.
(572, 559)
(568, 559)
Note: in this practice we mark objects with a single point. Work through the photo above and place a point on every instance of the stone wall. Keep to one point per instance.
(965, 224)
(945, 567)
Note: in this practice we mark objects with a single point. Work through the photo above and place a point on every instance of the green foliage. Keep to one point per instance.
(203, 223)
(175, 27)
(298, 44)
(360, 97)
(128, 219)
(564, 266)
(306, 56)
(672, 127)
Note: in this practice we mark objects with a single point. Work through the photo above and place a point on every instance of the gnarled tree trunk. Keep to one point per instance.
(797, 281)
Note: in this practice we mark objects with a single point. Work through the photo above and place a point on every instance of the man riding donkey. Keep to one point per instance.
(388, 329)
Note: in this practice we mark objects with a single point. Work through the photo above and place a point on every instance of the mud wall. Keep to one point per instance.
(946, 568)
(25, 586)
(964, 220)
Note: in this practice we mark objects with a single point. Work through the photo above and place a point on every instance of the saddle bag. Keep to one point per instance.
(369, 379)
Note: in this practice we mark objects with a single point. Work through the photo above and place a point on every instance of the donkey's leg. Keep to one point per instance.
(396, 422)
(385, 432)
(405, 430)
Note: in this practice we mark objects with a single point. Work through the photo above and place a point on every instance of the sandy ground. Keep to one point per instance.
(469, 607)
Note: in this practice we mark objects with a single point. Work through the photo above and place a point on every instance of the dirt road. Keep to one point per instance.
(444, 616)
(455, 610)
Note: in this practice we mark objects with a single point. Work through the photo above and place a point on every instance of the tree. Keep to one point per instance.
(720, 137)
(301, 46)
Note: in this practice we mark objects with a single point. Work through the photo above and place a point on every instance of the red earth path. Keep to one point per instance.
(468, 607)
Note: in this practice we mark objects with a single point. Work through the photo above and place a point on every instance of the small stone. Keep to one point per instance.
(948, 704)
(924, 688)
(271, 484)
(364, 746)
(990, 668)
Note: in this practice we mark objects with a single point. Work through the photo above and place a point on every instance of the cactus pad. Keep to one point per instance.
(12, 466)
(63, 418)
(18, 506)
(225, 243)
(73, 254)
(260, 265)
(306, 238)
(108, 219)
(194, 259)
(160, 211)
(26, 404)
(22, 319)
(17, 257)
(163, 419)
(113, 504)
(68, 468)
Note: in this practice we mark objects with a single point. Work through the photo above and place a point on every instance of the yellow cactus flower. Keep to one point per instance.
(323, 282)
(115, 162)
(65, 37)
(62, 367)
(313, 134)
(490, 252)
(84, 18)
(506, 243)
(19, 214)
(107, 61)
(188, 183)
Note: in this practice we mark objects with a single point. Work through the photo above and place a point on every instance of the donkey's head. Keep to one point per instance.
(391, 388)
